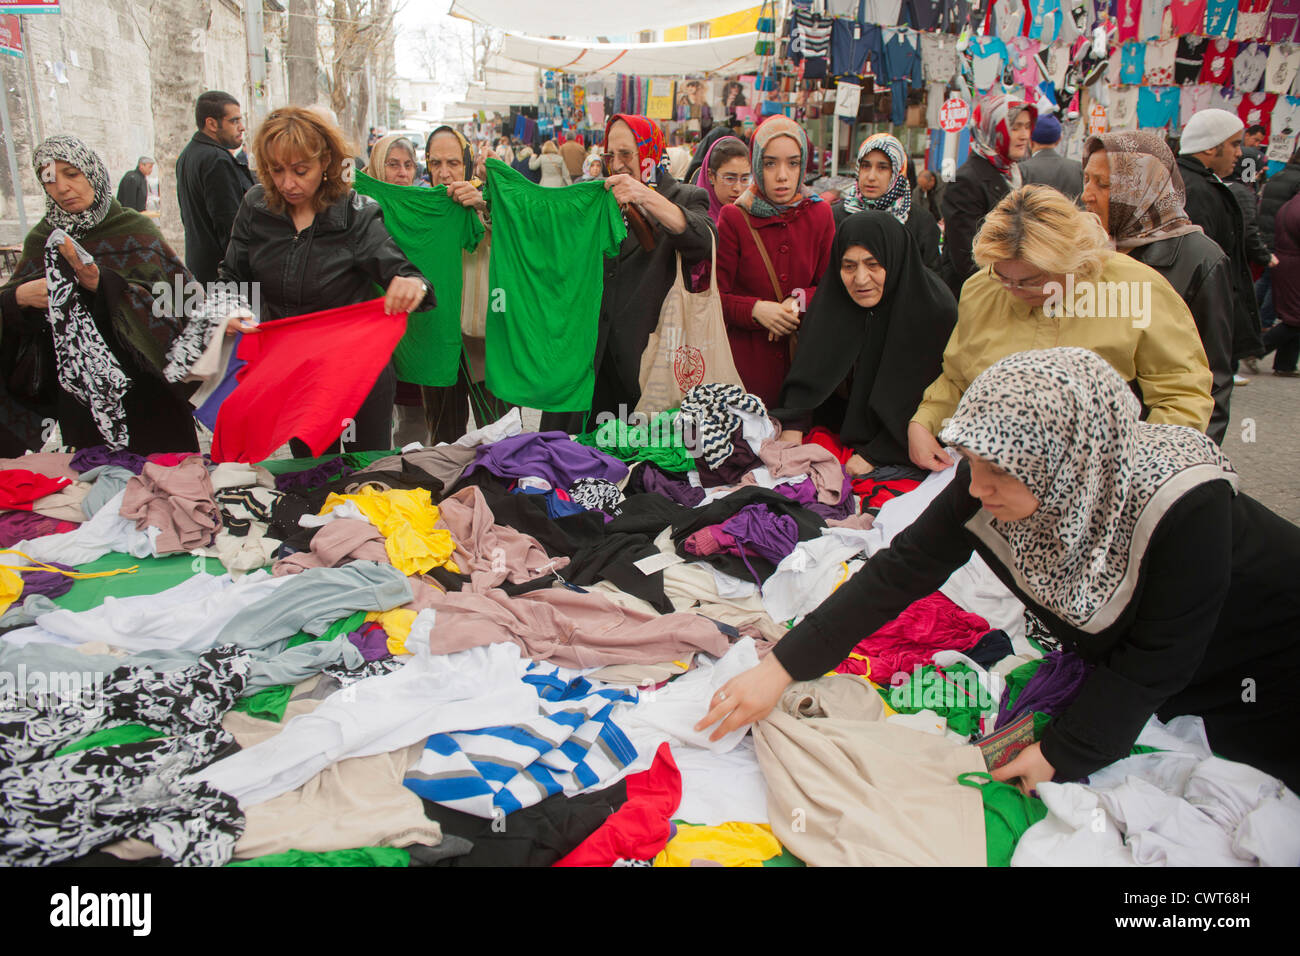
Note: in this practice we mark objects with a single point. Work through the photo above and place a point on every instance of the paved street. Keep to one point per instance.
(1268, 460)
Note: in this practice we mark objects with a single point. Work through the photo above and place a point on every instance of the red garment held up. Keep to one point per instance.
(306, 376)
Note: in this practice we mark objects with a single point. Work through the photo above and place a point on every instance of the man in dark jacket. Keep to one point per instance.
(638, 279)
(1275, 194)
(1209, 149)
(1049, 167)
(133, 190)
(210, 184)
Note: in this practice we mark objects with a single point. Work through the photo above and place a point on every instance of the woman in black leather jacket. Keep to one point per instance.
(314, 244)
(1131, 182)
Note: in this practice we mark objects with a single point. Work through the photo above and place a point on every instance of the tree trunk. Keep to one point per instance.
(301, 52)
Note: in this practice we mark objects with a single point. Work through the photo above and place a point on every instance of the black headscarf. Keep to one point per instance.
(894, 351)
(702, 151)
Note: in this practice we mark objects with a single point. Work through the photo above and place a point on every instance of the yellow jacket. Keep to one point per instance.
(1154, 340)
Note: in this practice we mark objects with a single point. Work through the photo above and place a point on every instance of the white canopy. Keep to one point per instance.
(734, 54)
(583, 18)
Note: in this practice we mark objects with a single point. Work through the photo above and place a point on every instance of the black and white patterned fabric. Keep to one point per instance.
(75, 153)
(190, 698)
(597, 494)
(65, 807)
(1039, 633)
(712, 409)
(219, 301)
(88, 371)
(1064, 423)
(340, 676)
(242, 507)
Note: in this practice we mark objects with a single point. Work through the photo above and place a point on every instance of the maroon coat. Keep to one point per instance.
(1286, 275)
(799, 244)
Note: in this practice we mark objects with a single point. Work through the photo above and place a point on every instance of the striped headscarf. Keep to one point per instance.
(991, 135)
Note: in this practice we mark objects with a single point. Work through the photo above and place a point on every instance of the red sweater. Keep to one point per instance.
(799, 245)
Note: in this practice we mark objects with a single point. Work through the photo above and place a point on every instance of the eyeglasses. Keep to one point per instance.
(1034, 285)
(736, 179)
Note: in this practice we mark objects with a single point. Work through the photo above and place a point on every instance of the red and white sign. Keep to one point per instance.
(954, 114)
(11, 42)
(29, 6)
(1097, 123)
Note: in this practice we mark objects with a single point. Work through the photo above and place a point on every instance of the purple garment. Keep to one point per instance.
(371, 640)
(754, 529)
(736, 466)
(18, 526)
(100, 455)
(657, 481)
(49, 583)
(1050, 690)
(805, 493)
(312, 477)
(553, 456)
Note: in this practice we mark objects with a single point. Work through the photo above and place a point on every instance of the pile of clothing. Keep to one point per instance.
(373, 659)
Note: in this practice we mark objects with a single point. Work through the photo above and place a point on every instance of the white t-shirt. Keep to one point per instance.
(1248, 68)
(1283, 130)
(1159, 63)
(1058, 61)
(1283, 65)
(1154, 21)
(1194, 98)
(1123, 107)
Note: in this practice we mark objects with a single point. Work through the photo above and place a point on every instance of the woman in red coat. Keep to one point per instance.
(765, 289)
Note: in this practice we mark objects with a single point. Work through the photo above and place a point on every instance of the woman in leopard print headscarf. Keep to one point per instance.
(1127, 539)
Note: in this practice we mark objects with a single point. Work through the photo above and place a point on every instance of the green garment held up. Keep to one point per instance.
(431, 229)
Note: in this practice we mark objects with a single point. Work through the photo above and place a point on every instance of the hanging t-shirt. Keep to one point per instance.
(1157, 107)
(1159, 65)
(938, 57)
(1009, 19)
(1024, 67)
(1221, 18)
(1188, 60)
(431, 229)
(1252, 19)
(305, 376)
(1256, 109)
(1217, 68)
(1224, 98)
(1123, 107)
(1132, 62)
(1285, 128)
(1187, 16)
(988, 54)
(1129, 16)
(1284, 21)
(1045, 21)
(1248, 68)
(1283, 64)
(1151, 25)
(548, 255)
(1193, 100)
(924, 14)
(883, 13)
(1058, 62)
(854, 45)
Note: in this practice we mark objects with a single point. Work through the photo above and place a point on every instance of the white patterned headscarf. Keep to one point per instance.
(1064, 422)
(75, 153)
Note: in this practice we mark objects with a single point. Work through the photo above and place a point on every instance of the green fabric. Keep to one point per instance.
(125, 734)
(927, 690)
(785, 859)
(355, 459)
(361, 856)
(431, 229)
(154, 575)
(269, 704)
(659, 442)
(1008, 813)
(1017, 679)
(546, 276)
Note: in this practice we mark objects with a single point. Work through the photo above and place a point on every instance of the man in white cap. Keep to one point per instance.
(1209, 149)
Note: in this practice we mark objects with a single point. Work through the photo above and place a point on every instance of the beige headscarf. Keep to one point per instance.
(379, 154)
(1146, 189)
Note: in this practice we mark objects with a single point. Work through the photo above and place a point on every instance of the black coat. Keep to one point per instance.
(966, 201)
(1277, 191)
(133, 190)
(1256, 251)
(337, 260)
(210, 185)
(1214, 603)
(636, 283)
(1211, 205)
(920, 225)
(1201, 274)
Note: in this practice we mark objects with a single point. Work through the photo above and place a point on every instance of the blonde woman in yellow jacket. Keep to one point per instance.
(1048, 277)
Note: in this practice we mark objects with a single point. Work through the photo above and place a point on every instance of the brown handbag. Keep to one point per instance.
(793, 337)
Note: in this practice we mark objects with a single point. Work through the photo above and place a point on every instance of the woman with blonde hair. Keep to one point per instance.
(314, 244)
(1048, 277)
(554, 170)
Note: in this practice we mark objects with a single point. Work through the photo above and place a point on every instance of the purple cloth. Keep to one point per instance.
(657, 481)
(736, 466)
(754, 529)
(1050, 690)
(805, 493)
(100, 455)
(312, 477)
(371, 640)
(18, 526)
(553, 456)
(49, 583)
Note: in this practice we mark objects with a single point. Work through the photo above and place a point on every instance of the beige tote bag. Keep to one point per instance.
(688, 348)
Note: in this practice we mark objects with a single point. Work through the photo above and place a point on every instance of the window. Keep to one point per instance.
(647, 36)
(697, 31)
